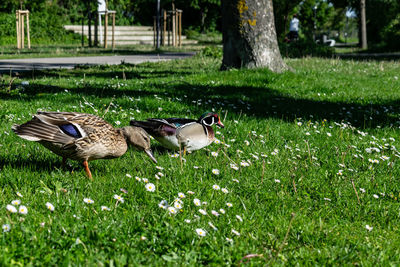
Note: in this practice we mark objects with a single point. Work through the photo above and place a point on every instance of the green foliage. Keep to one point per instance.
(212, 51)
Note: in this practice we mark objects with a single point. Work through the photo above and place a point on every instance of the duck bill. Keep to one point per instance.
(150, 154)
(219, 123)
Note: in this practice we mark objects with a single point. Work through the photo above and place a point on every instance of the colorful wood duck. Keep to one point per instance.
(82, 137)
(177, 133)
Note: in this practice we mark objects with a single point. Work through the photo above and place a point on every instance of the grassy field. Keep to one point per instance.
(308, 160)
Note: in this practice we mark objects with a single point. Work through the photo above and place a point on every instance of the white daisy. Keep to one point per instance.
(197, 202)
(212, 226)
(229, 205)
(16, 202)
(215, 171)
(105, 208)
(49, 206)
(181, 195)
(204, 212)
(19, 194)
(239, 218)
(6, 228)
(369, 228)
(163, 204)
(11, 209)
(172, 210)
(178, 205)
(201, 232)
(222, 211)
(214, 154)
(215, 213)
(216, 187)
(150, 187)
(235, 232)
(119, 198)
(224, 190)
(88, 201)
(128, 175)
(23, 210)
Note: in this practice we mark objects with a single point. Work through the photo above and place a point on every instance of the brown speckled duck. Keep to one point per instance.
(82, 137)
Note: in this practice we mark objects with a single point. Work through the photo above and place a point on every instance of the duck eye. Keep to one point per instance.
(209, 121)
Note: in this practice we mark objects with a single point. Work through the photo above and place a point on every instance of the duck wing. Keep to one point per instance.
(42, 128)
(156, 127)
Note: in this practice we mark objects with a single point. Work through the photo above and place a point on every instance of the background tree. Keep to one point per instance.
(249, 36)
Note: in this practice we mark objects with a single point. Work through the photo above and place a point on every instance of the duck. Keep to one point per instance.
(82, 137)
(178, 133)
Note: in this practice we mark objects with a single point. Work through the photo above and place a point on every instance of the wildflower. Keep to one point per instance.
(196, 167)
(19, 194)
(201, 232)
(235, 232)
(234, 166)
(123, 190)
(329, 134)
(222, 211)
(340, 172)
(215, 171)
(6, 228)
(214, 154)
(150, 187)
(49, 206)
(327, 199)
(369, 228)
(299, 123)
(163, 204)
(160, 168)
(160, 174)
(11, 209)
(119, 198)
(187, 221)
(143, 238)
(230, 240)
(105, 208)
(216, 187)
(16, 202)
(212, 226)
(172, 210)
(197, 202)
(23, 210)
(244, 164)
(235, 180)
(247, 142)
(376, 196)
(128, 175)
(138, 179)
(181, 195)
(229, 205)
(217, 141)
(203, 211)
(176, 155)
(117, 122)
(239, 218)
(277, 181)
(362, 190)
(88, 201)
(42, 224)
(224, 190)
(215, 213)
(178, 205)
(145, 180)
(190, 192)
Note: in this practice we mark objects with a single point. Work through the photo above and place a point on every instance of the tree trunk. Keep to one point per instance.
(249, 35)
(363, 23)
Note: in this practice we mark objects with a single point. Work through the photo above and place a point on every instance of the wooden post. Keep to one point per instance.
(22, 31)
(173, 25)
(27, 30)
(105, 28)
(18, 34)
(113, 30)
(154, 31)
(165, 26)
(180, 27)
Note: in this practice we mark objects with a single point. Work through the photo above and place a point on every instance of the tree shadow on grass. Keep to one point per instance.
(260, 102)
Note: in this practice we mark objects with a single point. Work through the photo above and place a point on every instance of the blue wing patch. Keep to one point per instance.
(71, 130)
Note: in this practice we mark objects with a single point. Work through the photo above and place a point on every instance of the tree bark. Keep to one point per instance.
(363, 23)
(249, 35)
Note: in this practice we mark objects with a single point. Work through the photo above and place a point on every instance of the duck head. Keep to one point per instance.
(138, 138)
(211, 118)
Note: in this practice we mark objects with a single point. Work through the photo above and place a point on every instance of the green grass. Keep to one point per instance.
(306, 135)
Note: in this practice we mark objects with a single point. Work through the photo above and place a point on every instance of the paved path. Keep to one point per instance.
(28, 64)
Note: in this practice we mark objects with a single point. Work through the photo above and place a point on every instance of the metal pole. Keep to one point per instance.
(158, 25)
